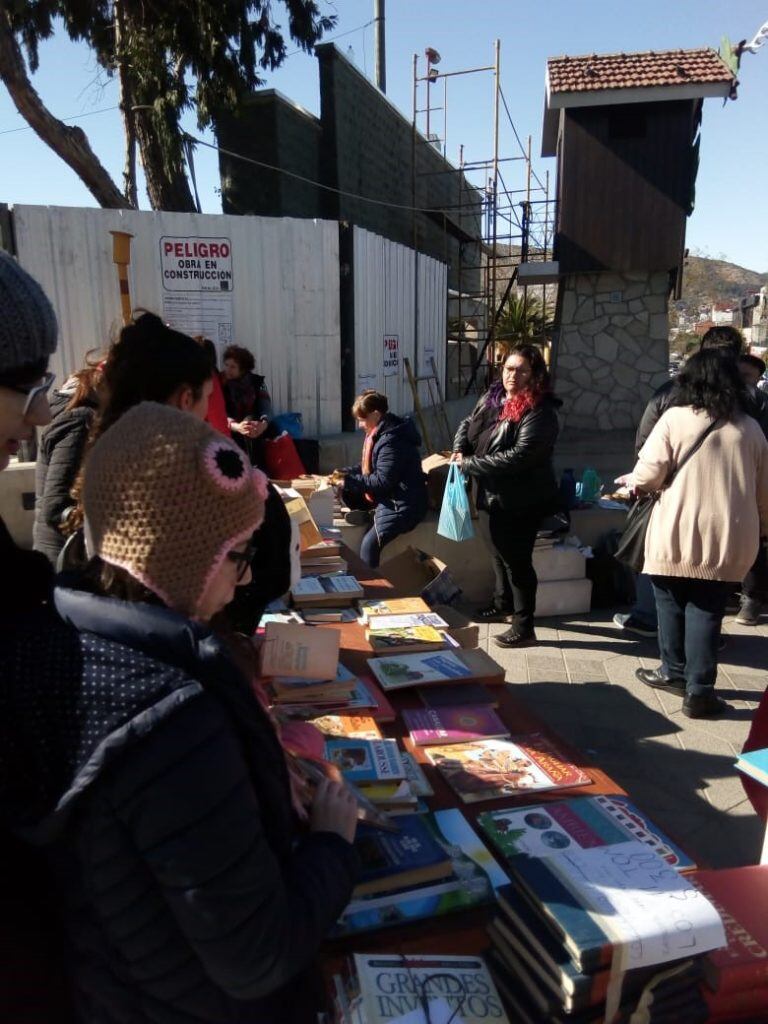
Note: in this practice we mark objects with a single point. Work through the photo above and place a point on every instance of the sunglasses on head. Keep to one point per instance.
(31, 391)
(242, 560)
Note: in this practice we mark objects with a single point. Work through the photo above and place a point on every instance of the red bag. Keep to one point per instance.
(281, 459)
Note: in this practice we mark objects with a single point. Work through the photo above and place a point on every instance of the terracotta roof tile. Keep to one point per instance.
(635, 70)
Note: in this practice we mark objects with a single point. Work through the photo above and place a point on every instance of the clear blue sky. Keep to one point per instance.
(731, 215)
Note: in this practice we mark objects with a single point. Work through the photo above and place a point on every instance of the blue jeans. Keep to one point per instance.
(644, 608)
(690, 616)
(385, 528)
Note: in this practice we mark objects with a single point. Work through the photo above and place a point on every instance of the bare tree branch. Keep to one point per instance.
(70, 143)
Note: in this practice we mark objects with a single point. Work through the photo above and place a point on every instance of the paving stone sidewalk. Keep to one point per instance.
(580, 679)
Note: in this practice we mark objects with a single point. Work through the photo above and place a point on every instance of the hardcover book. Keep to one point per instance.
(366, 760)
(388, 987)
(453, 725)
(411, 856)
(545, 830)
(491, 769)
(741, 897)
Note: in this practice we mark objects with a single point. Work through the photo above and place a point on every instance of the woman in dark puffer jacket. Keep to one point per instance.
(62, 446)
(134, 752)
(506, 445)
(389, 481)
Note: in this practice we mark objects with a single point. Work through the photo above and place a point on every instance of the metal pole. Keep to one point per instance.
(379, 44)
(495, 192)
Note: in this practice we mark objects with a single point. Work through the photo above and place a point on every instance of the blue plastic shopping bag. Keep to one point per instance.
(455, 517)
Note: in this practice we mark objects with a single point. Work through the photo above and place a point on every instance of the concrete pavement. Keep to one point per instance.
(580, 680)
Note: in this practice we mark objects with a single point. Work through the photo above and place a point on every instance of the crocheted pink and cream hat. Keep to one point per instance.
(166, 497)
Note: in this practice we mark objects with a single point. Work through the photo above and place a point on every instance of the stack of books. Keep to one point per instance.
(736, 977)
(317, 591)
(323, 558)
(572, 908)
(388, 987)
(435, 864)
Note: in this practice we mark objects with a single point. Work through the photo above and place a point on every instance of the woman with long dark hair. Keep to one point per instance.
(705, 528)
(506, 446)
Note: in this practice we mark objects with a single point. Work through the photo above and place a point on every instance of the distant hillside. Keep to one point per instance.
(706, 281)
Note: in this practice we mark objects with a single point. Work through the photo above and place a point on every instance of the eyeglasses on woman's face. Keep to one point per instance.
(242, 560)
(31, 391)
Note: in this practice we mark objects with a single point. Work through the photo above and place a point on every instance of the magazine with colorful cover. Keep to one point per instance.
(366, 760)
(403, 670)
(544, 830)
(491, 769)
(388, 987)
(475, 878)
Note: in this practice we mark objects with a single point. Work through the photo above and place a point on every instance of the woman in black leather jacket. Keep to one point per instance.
(506, 445)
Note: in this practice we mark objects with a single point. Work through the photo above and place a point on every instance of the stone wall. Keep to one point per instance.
(613, 349)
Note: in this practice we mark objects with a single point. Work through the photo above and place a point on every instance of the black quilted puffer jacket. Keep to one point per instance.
(133, 752)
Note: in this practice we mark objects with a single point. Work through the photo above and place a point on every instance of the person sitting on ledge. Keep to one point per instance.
(389, 481)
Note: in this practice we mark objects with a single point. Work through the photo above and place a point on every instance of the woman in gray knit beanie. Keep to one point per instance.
(27, 338)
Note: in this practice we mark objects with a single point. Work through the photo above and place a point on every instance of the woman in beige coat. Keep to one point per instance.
(706, 526)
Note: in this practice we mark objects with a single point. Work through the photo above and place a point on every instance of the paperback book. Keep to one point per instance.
(392, 606)
(410, 856)
(491, 769)
(329, 590)
(387, 622)
(366, 760)
(755, 764)
(299, 651)
(353, 727)
(545, 830)
(392, 988)
(407, 640)
(453, 725)
(395, 673)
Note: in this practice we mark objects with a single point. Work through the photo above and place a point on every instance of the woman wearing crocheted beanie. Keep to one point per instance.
(140, 759)
(506, 446)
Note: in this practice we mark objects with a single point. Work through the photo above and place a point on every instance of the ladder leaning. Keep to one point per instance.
(436, 399)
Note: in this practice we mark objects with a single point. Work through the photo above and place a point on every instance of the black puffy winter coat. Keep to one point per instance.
(58, 462)
(514, 467)
(134, 753)
(756, 406)
(396, 481)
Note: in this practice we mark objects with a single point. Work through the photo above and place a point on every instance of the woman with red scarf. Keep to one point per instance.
(506, 445)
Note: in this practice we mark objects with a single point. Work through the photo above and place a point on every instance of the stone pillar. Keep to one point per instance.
(613, 350)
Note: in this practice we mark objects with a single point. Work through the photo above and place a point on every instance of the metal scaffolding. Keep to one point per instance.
(516, 222)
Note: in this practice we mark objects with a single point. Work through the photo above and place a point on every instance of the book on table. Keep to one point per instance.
(412, 856)
(384, 988)
(290, 649)
(407, 640)
(295, 690)
(397, 795)
(366, 760)
(545, 830)
(386, 622)
(457, 695)
(741, 896)
(325, 590)
(453, 725)
(491, 769)
(473, 878)
(354, 727)
(416, 775)
(404, 670)
(371, 607)
(329, 614)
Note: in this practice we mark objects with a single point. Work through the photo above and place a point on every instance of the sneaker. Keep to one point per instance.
(491, 614)
(653, 677)
(708, 705)
(750, 610)
(632, 625)
(514, 637)
(358, 517)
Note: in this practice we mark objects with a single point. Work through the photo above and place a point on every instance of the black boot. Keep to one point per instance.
(706, 705)
(516, 636)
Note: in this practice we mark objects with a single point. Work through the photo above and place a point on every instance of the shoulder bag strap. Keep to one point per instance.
(691, 451)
